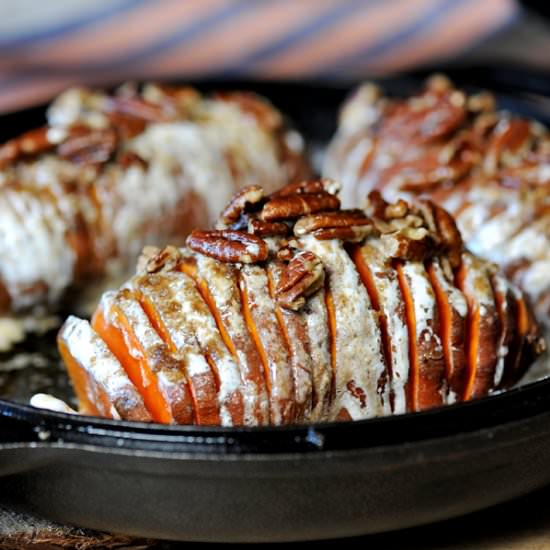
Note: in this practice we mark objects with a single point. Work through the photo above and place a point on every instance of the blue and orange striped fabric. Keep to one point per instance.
(47, 46)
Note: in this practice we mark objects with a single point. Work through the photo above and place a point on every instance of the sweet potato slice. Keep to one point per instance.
(360, 369)
(158, 368)
(427, 385)
(295, 335)
(259, 313)
(483, 326)
(373, 262)
(199, 321)
(219, 287)
(100, 382)
(453, 312)
(115, 324)
(161, 298)
(510, 337)
(322, 344)
(332, 336)
(527, 344)
(366, 277)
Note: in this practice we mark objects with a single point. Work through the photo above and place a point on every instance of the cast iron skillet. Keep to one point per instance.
(292, 483)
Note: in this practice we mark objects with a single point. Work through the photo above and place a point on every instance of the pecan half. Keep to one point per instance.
(238, 203)
(230, 246)
(303, 276)
(309, 186)
(448, 233)
(27, 144)
(509, 137)
(353, 234)
(153, 259)
(88, 146)
(344, 224)
(136, 107)
(268, 229)
(294, 206)
(131, 114)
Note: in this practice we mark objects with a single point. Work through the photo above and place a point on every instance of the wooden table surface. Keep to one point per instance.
(523, 524)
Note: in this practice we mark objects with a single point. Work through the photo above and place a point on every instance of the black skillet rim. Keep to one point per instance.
(25, 425)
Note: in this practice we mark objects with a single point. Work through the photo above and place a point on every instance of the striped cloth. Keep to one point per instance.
(47, 46)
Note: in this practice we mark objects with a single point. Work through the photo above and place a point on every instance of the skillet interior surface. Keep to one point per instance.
(290, 483)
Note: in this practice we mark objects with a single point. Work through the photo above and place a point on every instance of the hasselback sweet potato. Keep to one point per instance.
(343, 315)
(107, 174)
(488, 168)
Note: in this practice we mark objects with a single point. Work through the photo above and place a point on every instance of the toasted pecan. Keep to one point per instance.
(230, 246)
(414, 244)
(153, 259)
(351, 225)
(130, 158)
(30, 143)
(303, 276)
(294, 206)
(309, 186)
(238, 203)
(268, 229)
(88, 146)
(136, 107)
(398, 209)
(449, 235)
(352, 234)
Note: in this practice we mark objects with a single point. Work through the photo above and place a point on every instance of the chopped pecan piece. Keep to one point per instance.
(129, 158)
(397, 210)
(153, 259)
(88, 146)
(238, 203)
(229, 246)
(294, 206)
(310, 186)
(285, 254)
(415, 244)
(376, 205)
(303, 276)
